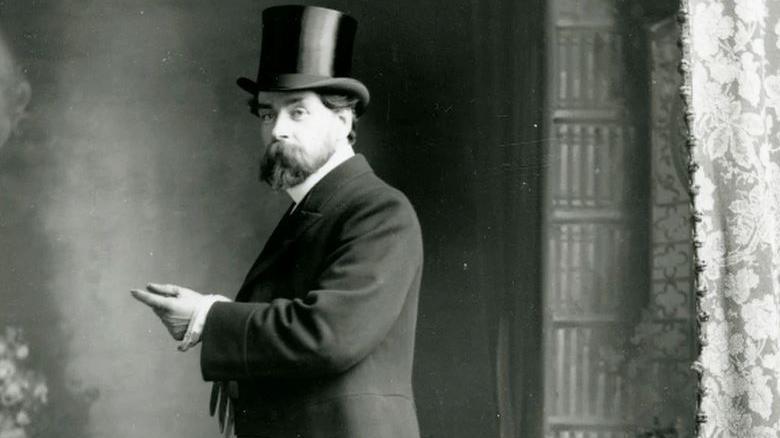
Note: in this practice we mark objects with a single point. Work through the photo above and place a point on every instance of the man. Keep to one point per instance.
(319, 340)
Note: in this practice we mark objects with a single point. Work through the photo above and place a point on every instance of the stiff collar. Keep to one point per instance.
(331, 182)
(297, 193)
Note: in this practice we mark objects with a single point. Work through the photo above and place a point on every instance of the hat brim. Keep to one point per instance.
(299, 82)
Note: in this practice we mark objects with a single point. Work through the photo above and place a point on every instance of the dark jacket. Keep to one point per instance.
(321, 336)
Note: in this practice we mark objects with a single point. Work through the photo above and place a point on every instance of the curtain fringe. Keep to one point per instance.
(686, 91)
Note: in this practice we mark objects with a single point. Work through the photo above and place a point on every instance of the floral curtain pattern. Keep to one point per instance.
(732, 88)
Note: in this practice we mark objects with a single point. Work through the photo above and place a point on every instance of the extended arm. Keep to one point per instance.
(355, 301)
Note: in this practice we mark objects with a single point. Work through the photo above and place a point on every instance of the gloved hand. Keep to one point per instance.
(175, 305)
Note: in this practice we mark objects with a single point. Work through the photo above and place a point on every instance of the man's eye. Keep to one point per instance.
(298, 113)
(266, 117)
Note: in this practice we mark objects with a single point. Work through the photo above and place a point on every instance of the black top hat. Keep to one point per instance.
(307, 48)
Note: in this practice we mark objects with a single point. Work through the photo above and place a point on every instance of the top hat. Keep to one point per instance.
(307, 48)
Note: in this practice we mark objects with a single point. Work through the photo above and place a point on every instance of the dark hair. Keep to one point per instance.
(335, 102)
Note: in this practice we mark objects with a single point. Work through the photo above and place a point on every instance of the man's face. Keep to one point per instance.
(300, 134)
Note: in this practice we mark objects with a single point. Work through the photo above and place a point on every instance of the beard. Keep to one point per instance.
(287, 164)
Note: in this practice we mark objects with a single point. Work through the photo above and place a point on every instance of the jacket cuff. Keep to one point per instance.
(224, 338)
(195, 327)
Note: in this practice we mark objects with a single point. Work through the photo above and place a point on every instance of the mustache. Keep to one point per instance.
(281, 144)
(283, 152)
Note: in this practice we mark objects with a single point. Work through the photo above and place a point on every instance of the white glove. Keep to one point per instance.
(175, 305)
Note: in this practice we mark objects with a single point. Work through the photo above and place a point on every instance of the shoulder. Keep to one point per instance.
(367, 204)
(368, 191)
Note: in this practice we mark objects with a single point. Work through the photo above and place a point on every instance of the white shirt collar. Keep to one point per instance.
(297, 193)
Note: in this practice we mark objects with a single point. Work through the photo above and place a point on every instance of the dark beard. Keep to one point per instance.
(286, 165)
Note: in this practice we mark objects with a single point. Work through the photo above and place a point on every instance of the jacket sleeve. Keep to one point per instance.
(357, 299)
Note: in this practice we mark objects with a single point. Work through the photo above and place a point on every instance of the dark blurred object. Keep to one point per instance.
(658, 432)
(14, 93)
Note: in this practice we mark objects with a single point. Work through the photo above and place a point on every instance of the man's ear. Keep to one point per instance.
(346, 116)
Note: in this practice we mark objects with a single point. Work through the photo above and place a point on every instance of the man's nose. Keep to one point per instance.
(281, 127)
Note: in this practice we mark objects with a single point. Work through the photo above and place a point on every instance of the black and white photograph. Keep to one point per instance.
(376, 219)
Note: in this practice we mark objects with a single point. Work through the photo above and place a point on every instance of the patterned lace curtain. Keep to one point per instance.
(732, 87)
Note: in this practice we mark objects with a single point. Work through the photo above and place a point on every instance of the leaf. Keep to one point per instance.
(718, 142)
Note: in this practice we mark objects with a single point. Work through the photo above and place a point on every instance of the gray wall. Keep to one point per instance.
(137, 163)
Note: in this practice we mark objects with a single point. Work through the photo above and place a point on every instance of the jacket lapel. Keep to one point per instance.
(291, 228)
(308, 212)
